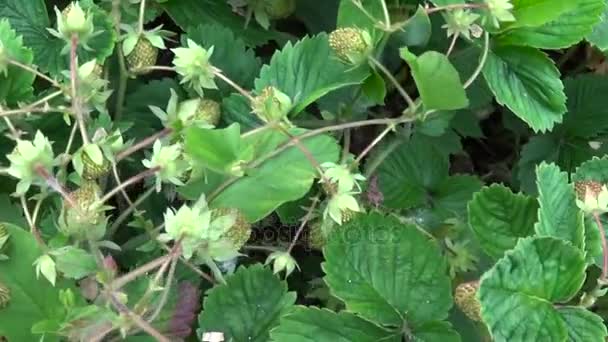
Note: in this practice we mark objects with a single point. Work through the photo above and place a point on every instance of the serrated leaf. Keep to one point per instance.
(305, 324)
(451, 197)
(568, 29)
(216, 149)
(189, 13)
(437, 331)
(595, 169)
(558, 214)
(387, 272)
(527, 82)
(499, 218)
(431, 71)
(350, 15)
(16, 84)
(587, 114)
(283, 178)
(538, 12)
(583, 325)
(599, 36)
(74, 262)
(30, 19)
(308, 70)
(32, 299)
(248, 306)
(407, 173)
(518, 293)
(229, 55)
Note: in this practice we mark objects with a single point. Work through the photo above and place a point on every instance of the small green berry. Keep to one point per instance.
(209, 112)
(351, 45)
(143, 55)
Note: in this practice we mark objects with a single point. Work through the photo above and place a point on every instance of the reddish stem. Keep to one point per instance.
(142, 144)
(604, 245)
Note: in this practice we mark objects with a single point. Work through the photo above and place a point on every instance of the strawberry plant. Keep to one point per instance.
(293, 170)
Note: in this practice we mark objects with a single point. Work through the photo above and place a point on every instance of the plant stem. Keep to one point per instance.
(387, 17)
(33, 229)
(482, 61)
(452, 44)
(141, 323)
(32, 107)
(153, 68)
(453, 7)
(596, 216)
(137, 178)
(118, 181)
(76, 105)
(122, 84)
(35, 72)
(142, 12)
(305, 220)
(142, 144)
(375, 142)
(121, 281)
(217, 72)
(165, 294)
(125, 214)
(394, 81)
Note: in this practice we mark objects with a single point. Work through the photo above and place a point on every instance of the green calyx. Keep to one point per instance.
(85, 220)
(271, 105)
(351, 45)
(279, 9)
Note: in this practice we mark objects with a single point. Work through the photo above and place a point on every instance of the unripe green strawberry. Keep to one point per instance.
(279, 9)
(84, 221)
(582, 187)
(143, 55)
(465, 297)
(351, 45)
(5, 295)
(208, 111)
(240, 232)
(91, 170)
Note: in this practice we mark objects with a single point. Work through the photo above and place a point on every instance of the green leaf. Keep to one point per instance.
(538, 12)
(216, 149)
(595, 169)
(410, 172)
(32, 299)
(527, 82)
(30, 19)
(451, 197)
(499, 218)
(518, 293)
(432, 71)
(558, 215)
(282, 178)
(568, 29)
(416, 31)
(375, 88)
(587, 113)
(248, 306)
(229, 55)
(599, 36)
(582, 324)
(387, 272)
(306, 324)
(74, 262)
(437, 331)
(16, 84)
(308, 70)
(349, 15)
(235, 108)
(189, 13)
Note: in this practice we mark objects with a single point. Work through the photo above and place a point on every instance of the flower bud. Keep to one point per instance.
(271, 105)
(282, 261)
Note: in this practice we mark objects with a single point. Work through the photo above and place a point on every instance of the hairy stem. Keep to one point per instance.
(305, 220)
(454, 7)
(394, 81)
(482, 61)
(218, 73)
(76, 100)
(600, 226)
(135, 179)
(35, 72)
(137, 320)
(125, 214)
(143, 144)
(33, 107)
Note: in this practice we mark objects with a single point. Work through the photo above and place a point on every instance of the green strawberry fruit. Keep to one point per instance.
(351, 45)
(91, 170)
(279, 9)
(143, 55)
(465, 297)
(240, 232)
(83, 221)
(208, 111)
